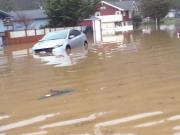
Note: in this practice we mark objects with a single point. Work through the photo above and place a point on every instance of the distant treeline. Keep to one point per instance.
(176, 4)
(9, 5)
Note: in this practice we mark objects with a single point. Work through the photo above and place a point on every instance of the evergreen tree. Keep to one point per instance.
(68, 12)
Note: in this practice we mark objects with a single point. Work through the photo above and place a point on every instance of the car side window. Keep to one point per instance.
(77, 33)
(71, 33)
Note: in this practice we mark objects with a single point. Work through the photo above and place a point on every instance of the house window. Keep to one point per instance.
(97, 14)
(102, 8)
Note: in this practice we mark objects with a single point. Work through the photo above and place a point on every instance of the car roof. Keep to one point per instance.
(65, 30)
(59, 31)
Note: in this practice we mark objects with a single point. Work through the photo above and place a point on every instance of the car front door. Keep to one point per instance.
(75, 38)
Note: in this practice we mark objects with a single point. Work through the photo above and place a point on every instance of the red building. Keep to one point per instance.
(114, 16)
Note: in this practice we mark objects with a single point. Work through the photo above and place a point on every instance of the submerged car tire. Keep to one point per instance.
(86, 45)
(68, 49)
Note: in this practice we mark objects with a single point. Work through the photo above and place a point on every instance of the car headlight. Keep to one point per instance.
(58, 46)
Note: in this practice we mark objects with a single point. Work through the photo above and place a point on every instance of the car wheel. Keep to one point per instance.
(68, 49)
(86, 45)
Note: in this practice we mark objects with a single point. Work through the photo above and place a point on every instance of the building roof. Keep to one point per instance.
(3, 14)
(122, 4)
(35, 14)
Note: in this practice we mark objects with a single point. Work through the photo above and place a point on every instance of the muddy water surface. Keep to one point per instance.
(127, 88)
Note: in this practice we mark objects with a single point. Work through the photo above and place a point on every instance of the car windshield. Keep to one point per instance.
(55, 35)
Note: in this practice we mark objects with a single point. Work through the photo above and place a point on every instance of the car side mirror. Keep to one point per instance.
(71, 36)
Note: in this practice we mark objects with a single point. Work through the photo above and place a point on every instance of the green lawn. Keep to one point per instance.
(171, 21)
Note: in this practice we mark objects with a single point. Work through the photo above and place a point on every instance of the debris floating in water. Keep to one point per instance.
(53, 93)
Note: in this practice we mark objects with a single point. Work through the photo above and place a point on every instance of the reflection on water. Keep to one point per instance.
(21, 53)
(115, 43)
(62, 59)
(132, 76)
(3, 61)
(172, 29)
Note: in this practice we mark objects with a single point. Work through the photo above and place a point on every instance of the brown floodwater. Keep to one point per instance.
(127, 88)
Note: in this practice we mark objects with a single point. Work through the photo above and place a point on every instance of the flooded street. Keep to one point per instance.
(127, 88)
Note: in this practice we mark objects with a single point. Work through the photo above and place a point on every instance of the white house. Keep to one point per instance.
(173, 13)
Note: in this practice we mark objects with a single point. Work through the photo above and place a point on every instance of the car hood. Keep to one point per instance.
(48, 44)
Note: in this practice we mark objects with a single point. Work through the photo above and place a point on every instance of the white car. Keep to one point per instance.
(65, 39)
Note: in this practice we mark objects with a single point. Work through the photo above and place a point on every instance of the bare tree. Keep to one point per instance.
(22, 18)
